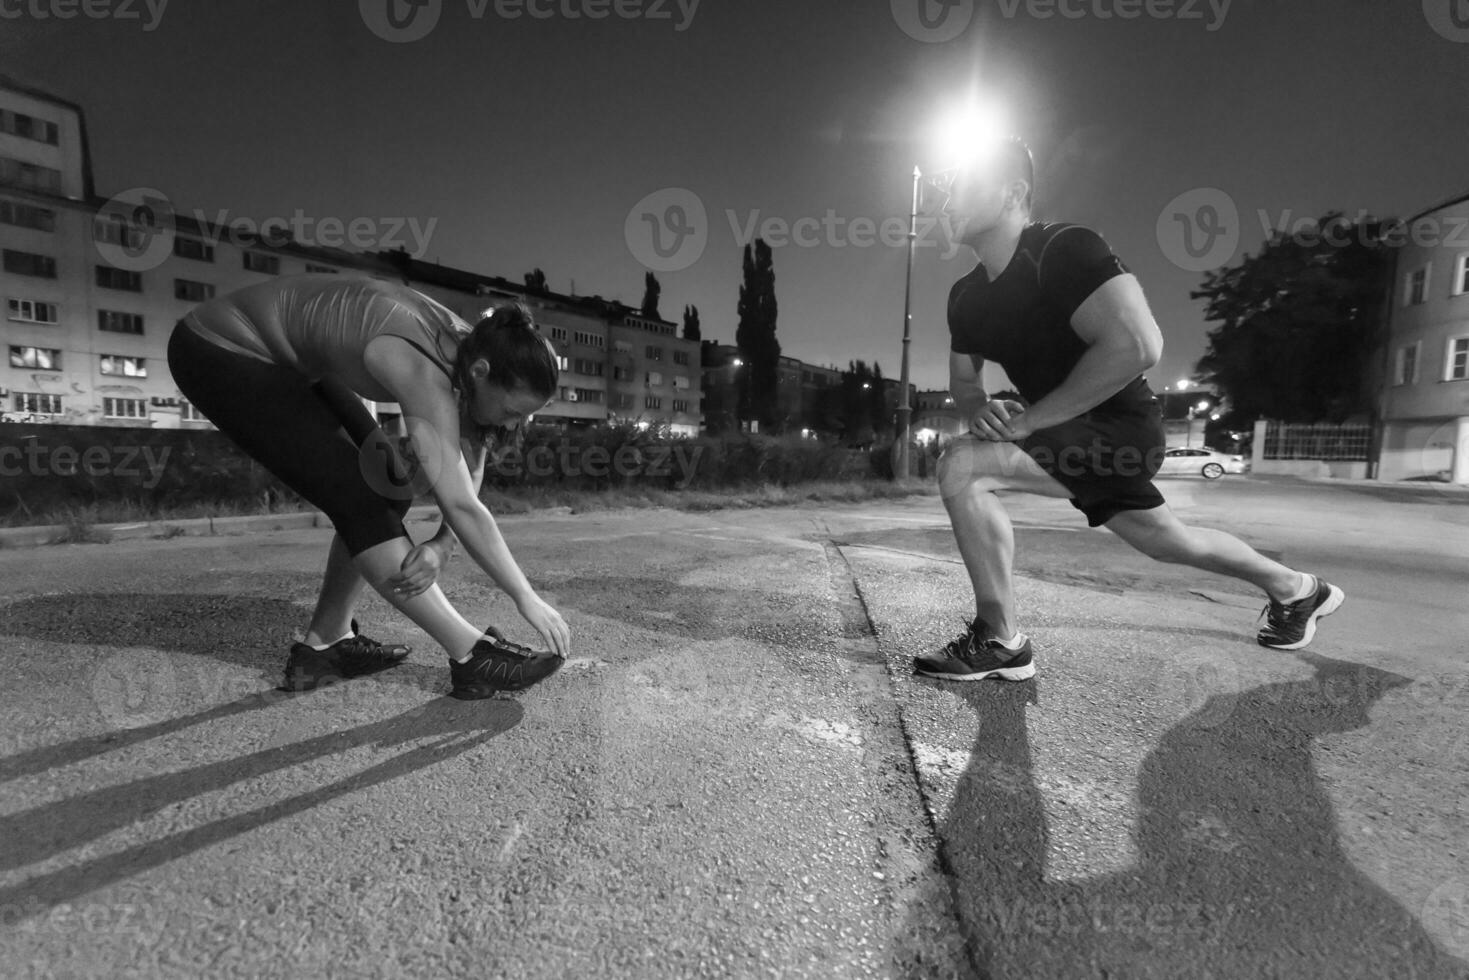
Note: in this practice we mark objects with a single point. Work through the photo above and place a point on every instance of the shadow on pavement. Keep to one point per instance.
(1240, 871)
(34, 835)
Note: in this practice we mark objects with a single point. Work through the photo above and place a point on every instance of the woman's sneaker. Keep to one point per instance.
(973, 656)
(356, 656)
(1292, 625)
(495, 664)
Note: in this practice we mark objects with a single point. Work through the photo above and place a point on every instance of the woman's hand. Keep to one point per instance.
(548, 623)
(1001, 420)
(420, 570)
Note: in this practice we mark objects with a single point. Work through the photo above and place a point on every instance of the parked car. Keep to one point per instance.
(1205, 462)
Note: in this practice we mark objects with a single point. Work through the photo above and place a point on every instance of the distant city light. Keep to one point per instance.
(1201, 405)
(737, 362)
(1182, 385)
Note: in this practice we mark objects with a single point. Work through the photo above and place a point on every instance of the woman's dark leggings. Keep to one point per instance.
(316, 437)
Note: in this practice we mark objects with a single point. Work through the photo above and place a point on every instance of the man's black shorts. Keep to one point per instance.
(1106, 458)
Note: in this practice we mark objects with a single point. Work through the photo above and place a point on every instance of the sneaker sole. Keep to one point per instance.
(1003, 673)
(1335, 597)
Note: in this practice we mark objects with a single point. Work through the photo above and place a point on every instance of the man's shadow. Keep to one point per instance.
(182, 623)
(1240, 871)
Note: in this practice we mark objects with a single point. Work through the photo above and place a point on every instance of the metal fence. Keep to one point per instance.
(1322, 440)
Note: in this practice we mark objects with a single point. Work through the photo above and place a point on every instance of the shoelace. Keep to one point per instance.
(1278, 616)
(961, 643)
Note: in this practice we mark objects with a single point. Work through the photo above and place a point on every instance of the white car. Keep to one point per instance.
(1205, 462)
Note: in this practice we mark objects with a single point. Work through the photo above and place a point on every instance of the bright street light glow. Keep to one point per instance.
(1183, 385)
(737, 362)
(1202, 405)
(966, 134)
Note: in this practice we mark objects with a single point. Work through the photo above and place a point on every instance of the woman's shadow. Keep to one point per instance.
(1240, 871)
(446, 728)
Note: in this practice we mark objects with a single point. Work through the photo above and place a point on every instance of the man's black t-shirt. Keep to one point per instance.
(1022, 319)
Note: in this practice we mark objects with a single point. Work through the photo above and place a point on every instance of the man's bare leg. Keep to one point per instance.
(970, 473)
(1159, 534)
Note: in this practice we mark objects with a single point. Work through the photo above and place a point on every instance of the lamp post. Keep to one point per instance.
(905, 410)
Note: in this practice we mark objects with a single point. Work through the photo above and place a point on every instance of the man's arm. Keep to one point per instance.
(1123, 341)
(966, 384)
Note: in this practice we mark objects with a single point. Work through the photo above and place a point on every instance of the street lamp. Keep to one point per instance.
(964, 138)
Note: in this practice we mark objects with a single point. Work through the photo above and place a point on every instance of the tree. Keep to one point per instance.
(536, 281)
(651, 291)
(857, 416)
(691, 323)
(759, 377)
(1298, 323)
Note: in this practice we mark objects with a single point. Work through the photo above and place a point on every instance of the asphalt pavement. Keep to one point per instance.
(736, 774)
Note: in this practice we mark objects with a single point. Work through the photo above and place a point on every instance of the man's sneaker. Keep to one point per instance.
(1291, 625)
(968, 657)
(495, 664)
(356, 656)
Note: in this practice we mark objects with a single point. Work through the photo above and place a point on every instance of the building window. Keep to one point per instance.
(36, 404)
(110, 278)
(1417, 287)
(589, 367)
(33, 311)
(1406, 371)
(623, 347)
(113, 321)
(125, 408)
(320, 270)
(188, 412)
(653, 352)
(258, 262)
(117, 365)
(567, 394)
(114, 230)
(30, 264)
(652, 401)
(29, 127)
(191, 291)
(558, 333)
(590, 395)
(30, 176)
(591, 339)
(27, 216)
(192, 248)
(35, 358)
(1461, 275)
(655, 378)
(563, 363)
(680, 382)
(621, 374)
(625, 401)
(1458, 359)
(679, 405)
(681, 357)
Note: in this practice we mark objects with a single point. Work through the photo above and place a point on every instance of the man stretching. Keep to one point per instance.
(1069, 324)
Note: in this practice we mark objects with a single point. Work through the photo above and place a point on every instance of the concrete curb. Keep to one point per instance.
(31, 537)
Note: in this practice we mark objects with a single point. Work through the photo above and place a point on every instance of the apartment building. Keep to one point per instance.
(1424, 398)
(92, 288)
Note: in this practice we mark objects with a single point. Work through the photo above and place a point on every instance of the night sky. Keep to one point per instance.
(532, 139)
